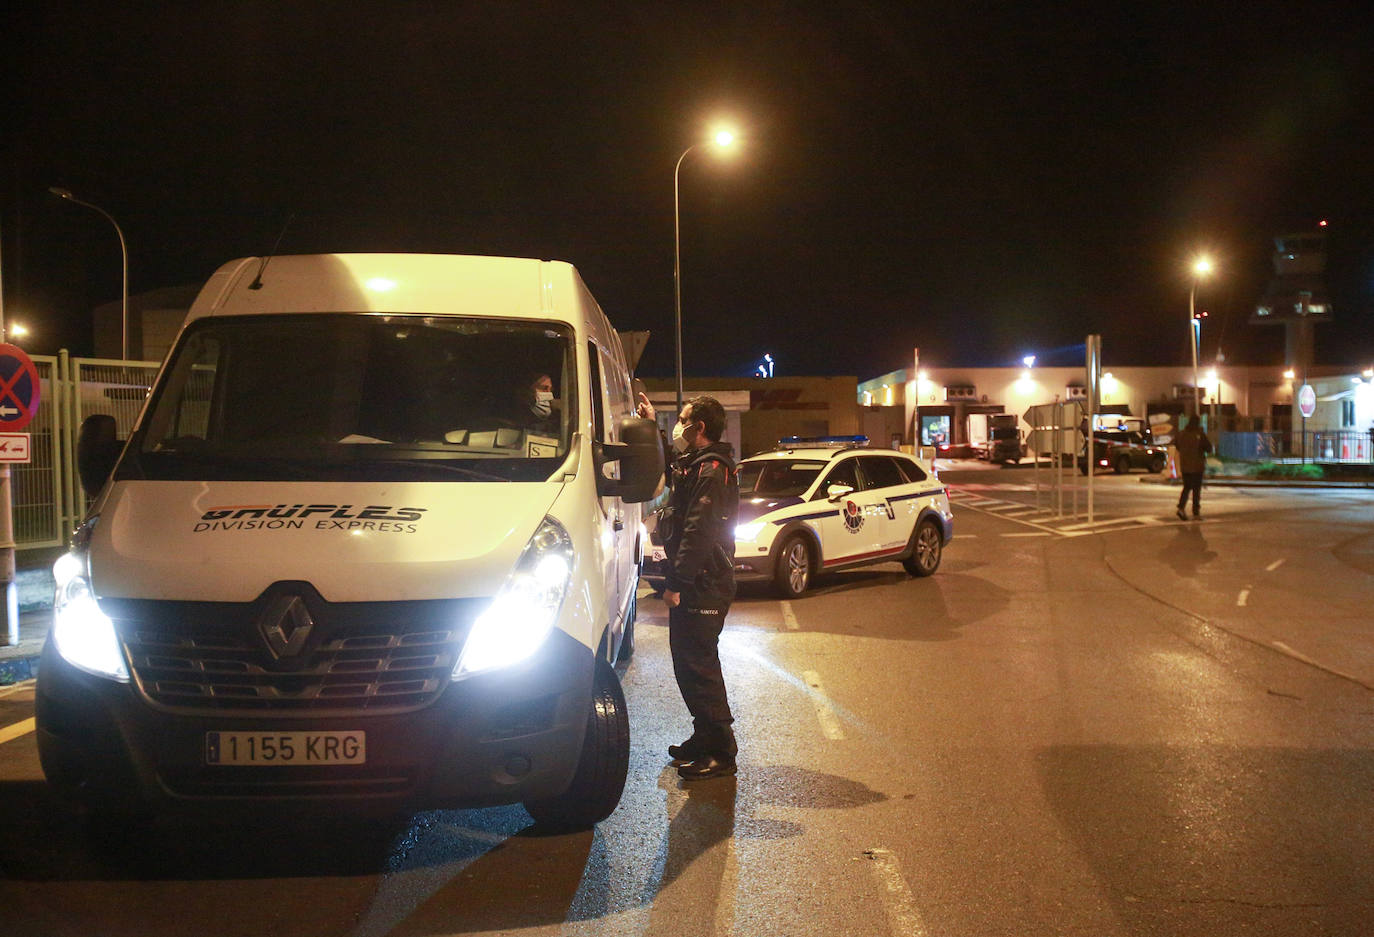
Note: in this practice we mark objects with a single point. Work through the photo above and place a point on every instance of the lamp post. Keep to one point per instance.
(721, 140)
(124, 251)
(1201, 267)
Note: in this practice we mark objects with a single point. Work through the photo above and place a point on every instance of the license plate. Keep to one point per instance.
(285, 748)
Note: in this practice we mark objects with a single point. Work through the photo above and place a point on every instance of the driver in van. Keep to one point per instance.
(534, 405)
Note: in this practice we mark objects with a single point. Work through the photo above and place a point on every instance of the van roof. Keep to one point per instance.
(423, 284)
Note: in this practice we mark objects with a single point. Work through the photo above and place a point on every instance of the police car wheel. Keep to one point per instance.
(600, 777)
(1123, 465)
(793, 573)
(1157, 464)
(926, 548)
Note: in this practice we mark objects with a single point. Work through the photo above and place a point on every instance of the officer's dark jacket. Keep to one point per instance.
(700, 543)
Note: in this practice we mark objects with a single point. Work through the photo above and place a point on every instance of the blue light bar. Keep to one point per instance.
(793, 442)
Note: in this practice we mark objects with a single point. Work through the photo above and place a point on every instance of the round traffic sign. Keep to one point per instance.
(1307, 401)
(19, 388)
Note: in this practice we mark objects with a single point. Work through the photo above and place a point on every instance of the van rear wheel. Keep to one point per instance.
(601, 769)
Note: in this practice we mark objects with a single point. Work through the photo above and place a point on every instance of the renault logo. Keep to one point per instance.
(286, 626)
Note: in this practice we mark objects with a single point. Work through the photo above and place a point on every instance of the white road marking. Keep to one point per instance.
(830, 723)
(1298, 655)
(19, 729)
(789, 619)
(896, 896)
(1138, 519)
(1244, 594)
(1029, 533)
(1273, 566)
(978, 505)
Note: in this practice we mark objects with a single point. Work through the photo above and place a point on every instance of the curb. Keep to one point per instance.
(19, 662)
(1234, 481)
(18, 669)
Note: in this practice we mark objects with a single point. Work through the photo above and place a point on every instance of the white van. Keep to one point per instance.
(340, 561)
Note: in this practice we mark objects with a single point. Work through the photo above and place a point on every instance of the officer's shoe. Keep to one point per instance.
(690, 750)
(1181, 515)
(711, 766)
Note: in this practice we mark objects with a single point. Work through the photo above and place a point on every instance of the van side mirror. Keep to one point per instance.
(640, 454)
(97, 450)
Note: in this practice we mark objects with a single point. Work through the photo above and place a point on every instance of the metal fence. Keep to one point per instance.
(47, 496)
(1323, 446)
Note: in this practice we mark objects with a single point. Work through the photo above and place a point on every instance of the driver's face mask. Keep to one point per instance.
(543, 403)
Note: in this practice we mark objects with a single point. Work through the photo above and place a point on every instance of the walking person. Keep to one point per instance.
(699, 539)
(1192, 445)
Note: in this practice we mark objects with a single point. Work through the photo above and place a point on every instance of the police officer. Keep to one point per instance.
(699, 541)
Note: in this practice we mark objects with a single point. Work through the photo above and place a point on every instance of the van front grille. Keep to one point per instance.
(359, 656)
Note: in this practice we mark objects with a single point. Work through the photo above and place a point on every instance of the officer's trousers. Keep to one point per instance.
(694, 638)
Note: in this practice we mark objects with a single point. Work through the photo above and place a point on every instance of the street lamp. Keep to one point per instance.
(722, 140)
(1201, 267)
(124, 250)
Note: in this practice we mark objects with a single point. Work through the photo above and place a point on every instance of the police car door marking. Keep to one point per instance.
(806, 517)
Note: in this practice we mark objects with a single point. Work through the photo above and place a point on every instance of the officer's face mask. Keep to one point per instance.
(543, 403)
(680, 441)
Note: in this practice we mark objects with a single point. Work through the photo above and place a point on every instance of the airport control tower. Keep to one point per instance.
(1296, 298)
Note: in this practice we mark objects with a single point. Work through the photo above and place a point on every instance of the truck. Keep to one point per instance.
(995, 437)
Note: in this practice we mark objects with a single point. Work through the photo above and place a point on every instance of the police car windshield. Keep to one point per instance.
(361, 397)
(777, 478)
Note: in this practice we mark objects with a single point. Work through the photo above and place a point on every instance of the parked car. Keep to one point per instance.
(1123, 451)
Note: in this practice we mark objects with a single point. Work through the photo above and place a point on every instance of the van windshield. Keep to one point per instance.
(361, 397)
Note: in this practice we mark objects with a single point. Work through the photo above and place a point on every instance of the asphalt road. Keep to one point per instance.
(1138, 727)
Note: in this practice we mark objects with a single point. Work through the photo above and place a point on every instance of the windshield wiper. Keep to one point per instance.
(289, 467)
(446, 467)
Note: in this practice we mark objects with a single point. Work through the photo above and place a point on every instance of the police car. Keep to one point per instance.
(825, 503)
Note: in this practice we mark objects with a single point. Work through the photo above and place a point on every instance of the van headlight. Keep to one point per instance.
(81, 632)
(750, 531)
(523, 613)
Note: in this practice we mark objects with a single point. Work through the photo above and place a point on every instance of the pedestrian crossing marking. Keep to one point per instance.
(1042, 519)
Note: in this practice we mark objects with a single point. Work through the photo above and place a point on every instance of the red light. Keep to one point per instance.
(1322, 223)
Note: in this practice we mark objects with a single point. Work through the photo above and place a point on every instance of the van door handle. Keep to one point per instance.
(619, 523)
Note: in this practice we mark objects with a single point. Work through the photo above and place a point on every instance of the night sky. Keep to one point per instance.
(982, 180)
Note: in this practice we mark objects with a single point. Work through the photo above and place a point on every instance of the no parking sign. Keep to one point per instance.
(19, 388)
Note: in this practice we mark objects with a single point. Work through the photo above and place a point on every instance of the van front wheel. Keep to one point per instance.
(600, 777)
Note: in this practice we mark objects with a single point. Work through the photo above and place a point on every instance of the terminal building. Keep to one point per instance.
(932, 407)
